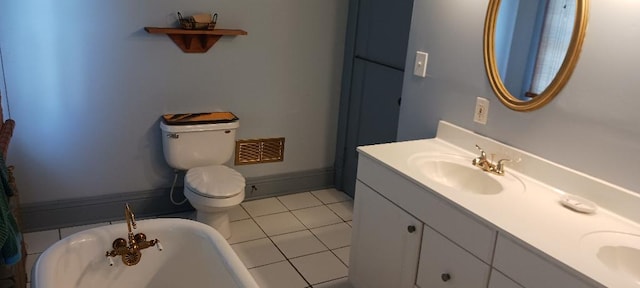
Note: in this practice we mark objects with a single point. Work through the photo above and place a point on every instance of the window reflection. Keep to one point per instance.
(531, 42)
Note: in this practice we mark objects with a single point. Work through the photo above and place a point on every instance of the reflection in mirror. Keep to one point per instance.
(531, 47)
(532, 38)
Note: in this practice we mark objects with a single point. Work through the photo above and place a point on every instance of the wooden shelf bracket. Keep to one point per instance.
(195, 41)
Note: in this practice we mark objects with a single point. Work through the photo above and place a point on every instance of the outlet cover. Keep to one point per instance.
(482, 111)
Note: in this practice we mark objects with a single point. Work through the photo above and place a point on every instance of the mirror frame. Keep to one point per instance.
(563, 75)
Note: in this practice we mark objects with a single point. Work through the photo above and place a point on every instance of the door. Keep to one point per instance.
(375, 53)
(376, 93)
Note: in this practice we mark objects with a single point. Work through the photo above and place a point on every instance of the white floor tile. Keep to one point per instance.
(334, 236)
(328, 196)
(245, 230)
(298, 244)
(280, 223)
(338, 283)
(299, 201)
(343, 254)
(343, 209)
(257, 252)
(264, 207)
(316, 216)
(238, 213)
(37, 242)
(31, 259)
(321, 267)
(278, 275)
(64, 232)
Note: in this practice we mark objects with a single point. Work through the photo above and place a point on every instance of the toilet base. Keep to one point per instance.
(217, 220)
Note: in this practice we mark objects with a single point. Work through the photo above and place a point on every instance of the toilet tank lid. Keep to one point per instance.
(214, 181)
(199, 118)
(199, 127)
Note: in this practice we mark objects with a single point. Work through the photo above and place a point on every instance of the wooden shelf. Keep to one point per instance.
(195, 41)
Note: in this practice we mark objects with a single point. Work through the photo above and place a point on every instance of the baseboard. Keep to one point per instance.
(96, 209)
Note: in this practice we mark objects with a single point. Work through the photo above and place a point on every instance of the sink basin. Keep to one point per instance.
(193, 255)
(618, 252)
(457, 172)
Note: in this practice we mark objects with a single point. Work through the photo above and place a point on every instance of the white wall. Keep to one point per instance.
(593, 125)
(87, 86)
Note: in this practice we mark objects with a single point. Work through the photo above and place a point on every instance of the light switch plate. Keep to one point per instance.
(420, 68)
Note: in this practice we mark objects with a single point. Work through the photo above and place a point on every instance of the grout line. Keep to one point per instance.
(307, 229)
(285, 256)
(334, 253)
(323, 282)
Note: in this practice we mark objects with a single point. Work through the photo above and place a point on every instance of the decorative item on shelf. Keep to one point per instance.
(196, 33)
(198, 21)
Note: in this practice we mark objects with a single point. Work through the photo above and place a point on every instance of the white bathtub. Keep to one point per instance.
(194, 255)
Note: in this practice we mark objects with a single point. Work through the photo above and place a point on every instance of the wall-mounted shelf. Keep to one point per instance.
(195, 41)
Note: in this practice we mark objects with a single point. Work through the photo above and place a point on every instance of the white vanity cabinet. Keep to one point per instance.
(388, 243)
(389, 248)
(407, 236)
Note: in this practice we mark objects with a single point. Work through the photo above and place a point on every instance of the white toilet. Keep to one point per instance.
(211, 188)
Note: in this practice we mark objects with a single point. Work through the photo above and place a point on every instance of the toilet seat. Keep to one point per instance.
(215, 181)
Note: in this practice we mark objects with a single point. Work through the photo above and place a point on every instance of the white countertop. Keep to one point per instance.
(534, 215)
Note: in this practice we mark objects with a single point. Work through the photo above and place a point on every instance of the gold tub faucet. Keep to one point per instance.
(130, 250)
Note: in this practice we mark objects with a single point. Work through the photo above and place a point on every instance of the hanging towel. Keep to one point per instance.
(10, 237)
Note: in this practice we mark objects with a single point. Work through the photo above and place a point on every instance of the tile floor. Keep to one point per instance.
(297, 241)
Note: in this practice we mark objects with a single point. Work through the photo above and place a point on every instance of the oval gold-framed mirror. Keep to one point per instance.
(530, 92)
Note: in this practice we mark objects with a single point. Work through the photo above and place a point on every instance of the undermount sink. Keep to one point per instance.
(618, 252)
(458, 173)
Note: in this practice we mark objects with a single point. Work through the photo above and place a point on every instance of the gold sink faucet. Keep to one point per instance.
(486, 165)
(481, 161)
(130, 250)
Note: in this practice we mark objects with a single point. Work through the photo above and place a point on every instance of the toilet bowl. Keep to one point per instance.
(213, 191)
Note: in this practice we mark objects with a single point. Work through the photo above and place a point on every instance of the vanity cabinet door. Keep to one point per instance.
(498, 280)
(445, 264)
(385, 243)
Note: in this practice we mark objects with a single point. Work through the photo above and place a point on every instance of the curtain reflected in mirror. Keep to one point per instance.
(532, 38)
(531, 48)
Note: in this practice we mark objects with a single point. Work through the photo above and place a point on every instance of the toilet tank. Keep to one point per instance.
(189, 146)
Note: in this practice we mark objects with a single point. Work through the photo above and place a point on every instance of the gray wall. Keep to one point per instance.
(87, 86)
(591, 126)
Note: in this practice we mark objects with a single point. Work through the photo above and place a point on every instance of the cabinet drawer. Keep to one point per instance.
(531, 270)
(444, 264)
(431, 209)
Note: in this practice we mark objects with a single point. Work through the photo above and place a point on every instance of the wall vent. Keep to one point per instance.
(254, 151)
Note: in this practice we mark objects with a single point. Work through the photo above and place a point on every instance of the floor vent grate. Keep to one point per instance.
(256, 151)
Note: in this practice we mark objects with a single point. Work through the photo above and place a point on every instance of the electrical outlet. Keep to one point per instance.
(482, 111)
(420, 68)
